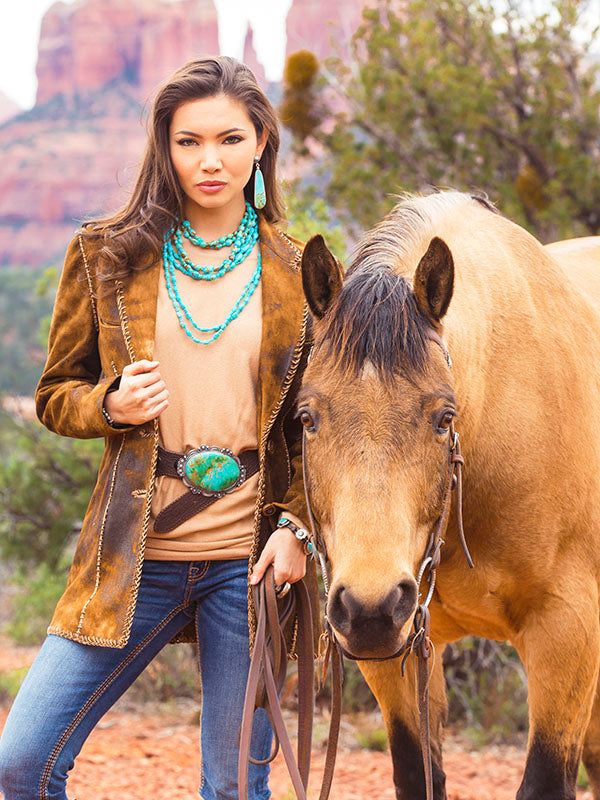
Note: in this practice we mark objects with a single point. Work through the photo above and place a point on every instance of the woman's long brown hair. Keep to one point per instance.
(132, 237)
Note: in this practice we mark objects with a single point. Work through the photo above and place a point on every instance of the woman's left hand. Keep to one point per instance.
(286, 554)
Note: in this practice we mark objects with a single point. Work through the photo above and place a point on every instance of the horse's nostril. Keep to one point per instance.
(348, 602)
(388, 606)
(406, 598)
(342, 608)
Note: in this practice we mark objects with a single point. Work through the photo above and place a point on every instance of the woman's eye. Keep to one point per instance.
(183, 141)
(235, 139)
(444, 422)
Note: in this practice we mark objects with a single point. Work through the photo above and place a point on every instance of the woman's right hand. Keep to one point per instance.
(142, 394)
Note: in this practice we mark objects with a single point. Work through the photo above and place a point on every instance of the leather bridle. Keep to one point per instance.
(418, 641)
(269, 659)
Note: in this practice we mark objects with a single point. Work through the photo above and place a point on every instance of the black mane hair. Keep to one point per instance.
(375, 319)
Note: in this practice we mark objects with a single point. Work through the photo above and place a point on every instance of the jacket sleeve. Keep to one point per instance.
(70, 392)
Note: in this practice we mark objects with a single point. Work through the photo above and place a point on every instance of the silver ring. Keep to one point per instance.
(282, 589)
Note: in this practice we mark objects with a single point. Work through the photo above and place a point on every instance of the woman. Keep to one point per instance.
(179, 334)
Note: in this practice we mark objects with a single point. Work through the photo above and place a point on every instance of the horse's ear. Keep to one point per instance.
(321, 275)
(434, 280)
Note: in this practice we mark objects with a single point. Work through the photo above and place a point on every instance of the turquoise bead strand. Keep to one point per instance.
(242, 241)
(181, 309)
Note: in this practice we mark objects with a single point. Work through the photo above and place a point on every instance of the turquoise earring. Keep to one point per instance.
(260, 194)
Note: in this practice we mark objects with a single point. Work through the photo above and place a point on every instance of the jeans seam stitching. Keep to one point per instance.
(190, 582)
(201, 698)
(98, 692)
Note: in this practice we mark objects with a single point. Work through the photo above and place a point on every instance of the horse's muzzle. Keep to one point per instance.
(372, 630)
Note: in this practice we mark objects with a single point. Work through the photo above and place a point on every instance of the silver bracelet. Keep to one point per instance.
(300, 533)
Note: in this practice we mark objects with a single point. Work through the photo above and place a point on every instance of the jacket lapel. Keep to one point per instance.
(282, 309)
(141, 294)
(283, 315)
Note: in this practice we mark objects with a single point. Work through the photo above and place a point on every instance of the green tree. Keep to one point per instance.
(309, 214)
(26, 299)
(300, 109)
(45, 485)
(459, 93)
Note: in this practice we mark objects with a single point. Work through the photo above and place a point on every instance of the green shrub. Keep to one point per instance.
(173, 673)
(582, 778)
(10, 683)
(37, 592)
(375, 739)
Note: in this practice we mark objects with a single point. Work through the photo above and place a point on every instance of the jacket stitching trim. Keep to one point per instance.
(296, 250)
(101, 537)
(142, 547)
(124, 319)
(287, 456)
(138, 571)
(261, 480)
(89, 282)
(44, 780)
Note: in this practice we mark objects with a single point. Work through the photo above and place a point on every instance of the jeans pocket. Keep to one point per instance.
(163, 573)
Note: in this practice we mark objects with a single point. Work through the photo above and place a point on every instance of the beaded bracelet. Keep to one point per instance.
(111, 421)
(300, 533)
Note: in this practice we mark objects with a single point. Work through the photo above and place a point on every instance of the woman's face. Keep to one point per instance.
(212, 141)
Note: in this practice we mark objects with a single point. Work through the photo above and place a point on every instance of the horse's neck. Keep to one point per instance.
(513, 329)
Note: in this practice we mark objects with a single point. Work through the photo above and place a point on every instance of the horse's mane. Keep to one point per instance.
(375, 318)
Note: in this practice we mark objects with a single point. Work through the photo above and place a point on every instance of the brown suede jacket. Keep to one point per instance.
(91, 339)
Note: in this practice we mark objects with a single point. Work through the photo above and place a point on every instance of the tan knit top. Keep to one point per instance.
(212, 401)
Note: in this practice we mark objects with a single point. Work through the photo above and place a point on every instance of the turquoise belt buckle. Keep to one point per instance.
(211, 471)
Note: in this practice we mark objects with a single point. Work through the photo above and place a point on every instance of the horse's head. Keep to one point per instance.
(377, 405)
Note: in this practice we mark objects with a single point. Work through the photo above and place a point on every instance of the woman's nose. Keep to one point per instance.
(210, 161)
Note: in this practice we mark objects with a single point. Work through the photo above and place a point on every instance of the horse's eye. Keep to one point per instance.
(444, 422)
(307, 421)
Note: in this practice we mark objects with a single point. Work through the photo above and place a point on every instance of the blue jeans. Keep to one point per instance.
(70, 686)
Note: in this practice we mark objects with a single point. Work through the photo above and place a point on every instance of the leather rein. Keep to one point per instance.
(268, 663)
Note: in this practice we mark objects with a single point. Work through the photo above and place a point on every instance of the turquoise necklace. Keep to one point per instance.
(242, 241)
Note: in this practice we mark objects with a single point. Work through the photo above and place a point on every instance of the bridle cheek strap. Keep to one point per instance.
(418, 641)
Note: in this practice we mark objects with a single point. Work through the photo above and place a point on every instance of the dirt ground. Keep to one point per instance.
(153, 751)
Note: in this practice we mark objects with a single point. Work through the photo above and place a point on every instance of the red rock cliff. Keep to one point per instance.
(85, 45)
(76, 153)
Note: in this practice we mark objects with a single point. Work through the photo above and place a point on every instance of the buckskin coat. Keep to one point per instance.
(92, 337)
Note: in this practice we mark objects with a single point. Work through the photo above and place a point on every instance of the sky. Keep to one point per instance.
(20, 30)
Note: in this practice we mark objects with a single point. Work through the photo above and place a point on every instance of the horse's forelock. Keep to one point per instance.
(375, 316)
(375, 319)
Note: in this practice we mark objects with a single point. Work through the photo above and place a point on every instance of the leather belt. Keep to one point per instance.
(171, 463)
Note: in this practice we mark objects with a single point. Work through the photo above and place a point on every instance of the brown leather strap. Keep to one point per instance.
(266, 679)
(189, 503)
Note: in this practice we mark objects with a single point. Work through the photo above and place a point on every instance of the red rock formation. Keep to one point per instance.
(85, 45)
(174, 33)
(76, 153)
(60, 164)
(251, 59)
(8, 108)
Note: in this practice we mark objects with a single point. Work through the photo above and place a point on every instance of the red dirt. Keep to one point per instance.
(137, 755)
(153, 751)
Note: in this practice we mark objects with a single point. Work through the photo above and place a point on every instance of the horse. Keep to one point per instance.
(450, 319)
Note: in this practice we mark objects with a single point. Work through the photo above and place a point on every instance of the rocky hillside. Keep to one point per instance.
(76, 152)
(8, 108)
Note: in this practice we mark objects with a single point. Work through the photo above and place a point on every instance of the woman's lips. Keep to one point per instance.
(210, 187)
